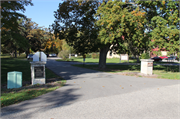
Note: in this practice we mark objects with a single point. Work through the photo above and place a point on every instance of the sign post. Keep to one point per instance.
(84, 57)
(124, 57)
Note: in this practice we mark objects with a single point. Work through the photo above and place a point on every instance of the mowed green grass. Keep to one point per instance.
(109, 60)
(96, 60)
(12, 64)
(16, 95)
(13, 96)
(165, 72)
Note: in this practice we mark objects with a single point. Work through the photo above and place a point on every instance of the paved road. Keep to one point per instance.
(93, 94)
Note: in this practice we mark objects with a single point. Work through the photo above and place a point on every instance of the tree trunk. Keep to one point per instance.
(15, 53)
(12, 54)
(27, 52)
(102, 56)
(138, 59)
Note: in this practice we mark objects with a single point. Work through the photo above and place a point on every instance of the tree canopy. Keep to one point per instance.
(75, 23)
(9, 14)
(120, 25)
(11, 28)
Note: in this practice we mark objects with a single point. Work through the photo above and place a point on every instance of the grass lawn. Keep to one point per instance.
(167, 72)
(91, 60)
(27, 91)
(113, 60)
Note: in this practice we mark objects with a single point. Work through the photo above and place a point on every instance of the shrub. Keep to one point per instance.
(88, 55)
(64, 54)
(144, 56)
(95, 55)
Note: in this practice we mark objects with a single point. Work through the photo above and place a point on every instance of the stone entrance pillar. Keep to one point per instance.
(38, 68)
(38, 72)
(147, 66)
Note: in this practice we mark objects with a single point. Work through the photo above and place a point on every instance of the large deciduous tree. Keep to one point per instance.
(121, 27)
(163, 23)
(75, 23)
(9, 14)
(11, 30)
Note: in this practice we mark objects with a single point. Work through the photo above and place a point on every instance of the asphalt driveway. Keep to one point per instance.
(92, 94)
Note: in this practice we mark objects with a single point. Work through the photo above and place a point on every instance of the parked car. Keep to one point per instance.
(156, 59)
(173, 58)
(30, 57)
(52, 55)
(163, 57)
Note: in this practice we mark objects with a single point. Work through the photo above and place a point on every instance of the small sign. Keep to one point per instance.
(124, 57)
(39, 72)
(150, 64)
(84, 56)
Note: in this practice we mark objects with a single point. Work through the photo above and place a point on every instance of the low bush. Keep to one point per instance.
(145, 56)
(88, 55)
(64, 54)
(95, 55)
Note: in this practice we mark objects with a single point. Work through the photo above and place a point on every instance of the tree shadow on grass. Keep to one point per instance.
(121, 68)
(166, 68)
(60, 98)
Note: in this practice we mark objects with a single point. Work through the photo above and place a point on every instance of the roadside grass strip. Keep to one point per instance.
(27, 91)
(96, 60)
(13, 96)
(164, 72)
(109, 60)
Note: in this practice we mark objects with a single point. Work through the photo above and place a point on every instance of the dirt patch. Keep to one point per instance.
(137, 74)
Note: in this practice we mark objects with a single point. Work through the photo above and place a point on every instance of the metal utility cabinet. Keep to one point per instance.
(14, 79)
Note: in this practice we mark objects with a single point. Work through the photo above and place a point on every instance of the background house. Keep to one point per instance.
(112, 54)
(163, 52)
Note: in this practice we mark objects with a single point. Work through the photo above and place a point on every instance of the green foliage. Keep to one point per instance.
(66, 50)
(118, 24)
(122, 25)
(10, 15)
(145, 56)
(158, 53)
(11, 30)
(75, 23)
(163, 23)
(88, 55)
(29, 38)
(64, 54)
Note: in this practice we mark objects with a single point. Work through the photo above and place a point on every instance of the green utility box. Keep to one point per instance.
(14, 79)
